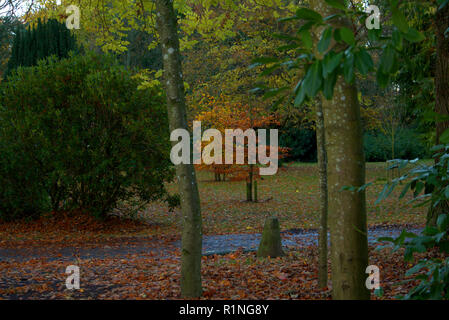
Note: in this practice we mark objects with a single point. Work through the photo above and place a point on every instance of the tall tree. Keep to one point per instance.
(34, 44)
(188, 189)
(346, 167)
(441, 24)
(322, 169)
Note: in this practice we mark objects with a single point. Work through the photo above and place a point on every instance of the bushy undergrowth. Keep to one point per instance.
(77, 133)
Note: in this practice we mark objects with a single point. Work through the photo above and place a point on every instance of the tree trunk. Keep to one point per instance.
(188, 188)
(249, 184)
(322, 169)
(346, 167)
(255, 191)
(441, 92)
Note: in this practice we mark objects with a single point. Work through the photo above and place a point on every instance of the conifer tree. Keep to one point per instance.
(34, 44)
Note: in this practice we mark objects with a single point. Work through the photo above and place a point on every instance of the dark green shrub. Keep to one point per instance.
(302, 143)
(22, 189)
(407, 145)
(89, 137)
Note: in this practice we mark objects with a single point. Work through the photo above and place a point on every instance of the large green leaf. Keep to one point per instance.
(328, 86)
(308, 14)
(325, 40)
(306, 39)
(330, 62)
(347, 35)
(300, 95)
(442, 221)
(414, 35)
(363, 61)
(399, 20)
(444, 137)
(348, 67)
(387, 60)
(313, 79)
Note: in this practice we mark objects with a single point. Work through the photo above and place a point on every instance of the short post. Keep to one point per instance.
(270, 244)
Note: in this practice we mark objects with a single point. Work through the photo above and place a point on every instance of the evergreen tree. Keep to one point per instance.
(34, 44)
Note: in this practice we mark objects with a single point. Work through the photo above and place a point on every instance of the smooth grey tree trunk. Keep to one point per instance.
(322, 170)
(345, 167)
(188, 188)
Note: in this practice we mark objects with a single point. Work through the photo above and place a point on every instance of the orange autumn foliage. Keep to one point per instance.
(221, 113)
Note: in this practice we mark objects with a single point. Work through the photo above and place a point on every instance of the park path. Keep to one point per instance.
(212, 244)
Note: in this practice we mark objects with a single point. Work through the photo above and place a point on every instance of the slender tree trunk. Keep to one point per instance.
(255, 191)
(249, 184)
(346, 167)
(441, 92)
(322, 169)
(188, 188)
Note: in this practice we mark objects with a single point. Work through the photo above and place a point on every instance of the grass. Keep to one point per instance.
(292, 195)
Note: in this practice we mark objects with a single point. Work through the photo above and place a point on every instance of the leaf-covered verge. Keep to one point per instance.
(148, 276)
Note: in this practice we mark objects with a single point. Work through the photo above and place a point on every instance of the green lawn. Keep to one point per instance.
(291, 194)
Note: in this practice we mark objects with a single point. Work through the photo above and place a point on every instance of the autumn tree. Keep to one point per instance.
(222, 114)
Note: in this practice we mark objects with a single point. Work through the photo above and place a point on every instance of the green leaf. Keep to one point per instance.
(348, 67)
(387, 60)
(308, 14)
(347, 35)
(397, 40)
(363, 61)
(329, 84)
(336, 4)
(306, 39)
(332, 16)
(313, 79)
(444, 138)
(414, 36)
(330, 62)
(306, 26)
(442, 221)
(373, 34)
(399, 20)
(325, 40)
(337, 35)
(300, 95)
